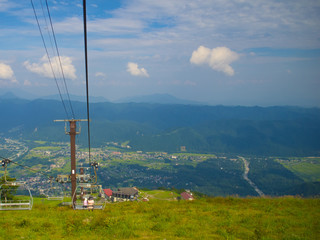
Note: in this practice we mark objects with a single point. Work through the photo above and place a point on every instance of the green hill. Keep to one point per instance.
(205, 218)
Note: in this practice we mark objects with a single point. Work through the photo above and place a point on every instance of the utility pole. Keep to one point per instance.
(73, 132)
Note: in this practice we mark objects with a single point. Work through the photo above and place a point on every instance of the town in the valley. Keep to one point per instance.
(55, 158)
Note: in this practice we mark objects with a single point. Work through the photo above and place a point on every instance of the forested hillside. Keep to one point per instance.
(156, 127)
(159, 127)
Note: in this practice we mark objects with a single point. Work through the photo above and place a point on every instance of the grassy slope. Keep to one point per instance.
(306, 168)
(209, 218)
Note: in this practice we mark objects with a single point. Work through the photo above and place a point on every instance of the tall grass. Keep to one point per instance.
(208, 218)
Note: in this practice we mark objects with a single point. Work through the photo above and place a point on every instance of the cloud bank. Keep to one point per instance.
(43, 68)
(134, 70)
(218, 59)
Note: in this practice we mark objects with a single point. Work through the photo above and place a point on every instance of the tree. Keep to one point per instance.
(7, 192)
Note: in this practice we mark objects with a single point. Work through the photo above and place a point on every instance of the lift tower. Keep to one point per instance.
(73, 132)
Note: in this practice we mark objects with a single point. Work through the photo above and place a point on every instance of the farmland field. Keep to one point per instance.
(307, 168)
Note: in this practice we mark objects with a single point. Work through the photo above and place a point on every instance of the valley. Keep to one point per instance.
(119, 166)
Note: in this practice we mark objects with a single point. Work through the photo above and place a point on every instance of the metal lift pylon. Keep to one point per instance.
(73, 132)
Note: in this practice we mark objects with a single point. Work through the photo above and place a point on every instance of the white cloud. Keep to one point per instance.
(218, 59)
(134, 70)
(6, 74)
(6, 71)
(43, 68)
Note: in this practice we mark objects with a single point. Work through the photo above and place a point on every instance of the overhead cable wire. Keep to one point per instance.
(48, 30)
(59, 58)
(26, 167)
(86, 69)
(45, 46)
(55, 51)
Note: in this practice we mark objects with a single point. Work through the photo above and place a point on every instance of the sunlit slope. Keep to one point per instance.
(207, 218)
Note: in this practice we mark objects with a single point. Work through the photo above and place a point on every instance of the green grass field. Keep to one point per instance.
(307, 168)
(159, 194)
(207, 218)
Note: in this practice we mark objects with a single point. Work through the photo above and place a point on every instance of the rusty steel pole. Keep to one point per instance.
(73, 133)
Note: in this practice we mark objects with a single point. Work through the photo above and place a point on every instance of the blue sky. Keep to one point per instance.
(236, 52)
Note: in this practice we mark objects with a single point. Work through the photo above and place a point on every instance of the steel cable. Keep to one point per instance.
(45, 46)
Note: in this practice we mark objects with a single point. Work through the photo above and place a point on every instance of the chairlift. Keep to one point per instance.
(63, 178)
(81, 178)
(86, 187)
(55, 192)
(15, 196)
(86, 191)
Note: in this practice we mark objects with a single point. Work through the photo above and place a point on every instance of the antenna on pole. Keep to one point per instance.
(73, 132)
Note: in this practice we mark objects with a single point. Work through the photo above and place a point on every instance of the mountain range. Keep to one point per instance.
(285, 131)
(158, 98)
(153, 98)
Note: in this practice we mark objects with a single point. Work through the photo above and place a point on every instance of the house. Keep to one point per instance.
(125, 194)
(187, 196)
(107, 192)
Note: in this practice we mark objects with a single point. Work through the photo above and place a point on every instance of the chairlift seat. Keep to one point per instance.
(16, 204)
(55, 193)
(96, 206)
(86, 190)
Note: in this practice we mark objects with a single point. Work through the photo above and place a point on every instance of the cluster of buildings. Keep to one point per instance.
(132, 193)
(55, 156)
(122, 194)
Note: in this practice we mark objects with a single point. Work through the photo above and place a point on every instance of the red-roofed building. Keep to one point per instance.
(187, 196)
(107, 192)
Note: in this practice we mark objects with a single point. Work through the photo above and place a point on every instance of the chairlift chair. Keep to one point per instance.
(63, 178)
(15, 196)
(87, 190)
(55, 192)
